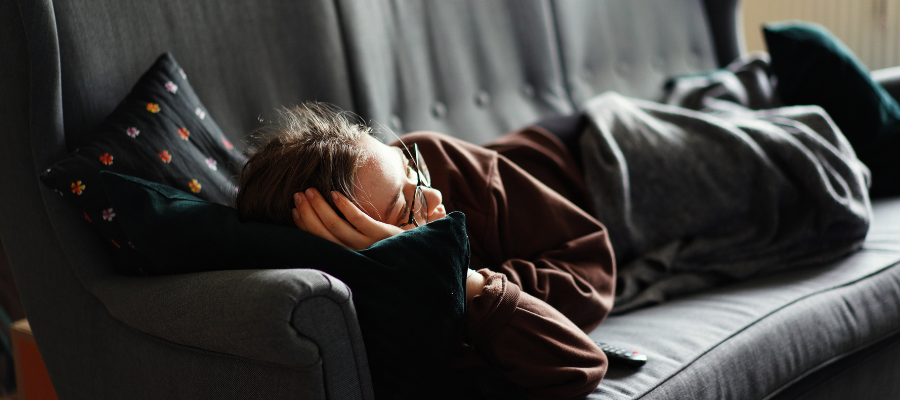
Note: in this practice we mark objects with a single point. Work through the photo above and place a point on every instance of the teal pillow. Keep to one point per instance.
(408, 290)
(814, 67)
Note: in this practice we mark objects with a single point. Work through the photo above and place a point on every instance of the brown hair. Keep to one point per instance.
(312, 145)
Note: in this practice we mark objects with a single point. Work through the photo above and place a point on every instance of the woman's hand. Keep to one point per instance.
(313, 214)
(474, 284)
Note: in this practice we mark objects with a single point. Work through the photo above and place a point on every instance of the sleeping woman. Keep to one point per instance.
(545, 268)
(688, 200)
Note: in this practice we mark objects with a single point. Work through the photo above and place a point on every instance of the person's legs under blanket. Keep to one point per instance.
(692, 199)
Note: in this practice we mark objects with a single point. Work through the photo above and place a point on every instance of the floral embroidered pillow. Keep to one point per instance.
(160, 132)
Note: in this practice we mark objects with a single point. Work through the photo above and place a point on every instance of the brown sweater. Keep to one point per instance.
(549, 265)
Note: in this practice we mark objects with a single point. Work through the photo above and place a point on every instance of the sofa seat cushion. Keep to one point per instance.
(751, 339)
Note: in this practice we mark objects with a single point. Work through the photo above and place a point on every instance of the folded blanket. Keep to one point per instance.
(696, 197)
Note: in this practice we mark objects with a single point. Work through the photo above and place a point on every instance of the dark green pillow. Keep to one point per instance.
(408, 290)
(814, 67)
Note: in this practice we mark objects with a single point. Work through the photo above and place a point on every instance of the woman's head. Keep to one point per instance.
(312, 145)
(316, 146)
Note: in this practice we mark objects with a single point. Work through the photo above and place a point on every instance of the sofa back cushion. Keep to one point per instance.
(631, 47)
(244, 58)
(471, 69)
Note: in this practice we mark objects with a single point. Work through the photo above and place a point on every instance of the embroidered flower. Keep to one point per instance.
(195, 186)
(171, 87)
(153, 107)
(184, 133)
(200, 113)
(77, 187)
(227, 144)
(108, 214)
(106, 159)
(181, 72)
(165, 156)
(115, 244)
(133, 132)
(87, 218)
(211, 164)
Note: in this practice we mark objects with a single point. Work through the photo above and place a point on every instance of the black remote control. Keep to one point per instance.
(620, 356)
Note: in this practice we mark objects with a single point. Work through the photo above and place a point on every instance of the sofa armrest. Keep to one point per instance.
(298, 318)
(889, 78)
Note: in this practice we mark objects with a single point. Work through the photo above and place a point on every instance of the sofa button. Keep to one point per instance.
(527, 90)
(482, 99)
(439, 110)
(695, 58)
(396, 123)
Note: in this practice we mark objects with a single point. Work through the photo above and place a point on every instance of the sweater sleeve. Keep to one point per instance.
(520, 226)
(531, 343)
(551, 249)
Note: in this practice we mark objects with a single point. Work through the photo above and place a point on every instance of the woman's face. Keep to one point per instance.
(385, 186)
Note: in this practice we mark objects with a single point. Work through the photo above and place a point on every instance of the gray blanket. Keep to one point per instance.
(714, 186)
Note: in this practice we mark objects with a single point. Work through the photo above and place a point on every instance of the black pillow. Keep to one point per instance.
(408, 290)
(814, 67)
(160, 132)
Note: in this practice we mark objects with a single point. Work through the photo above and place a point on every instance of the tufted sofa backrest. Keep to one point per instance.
(477, 69)
(244, 58)
(631, 46)
(472, 69)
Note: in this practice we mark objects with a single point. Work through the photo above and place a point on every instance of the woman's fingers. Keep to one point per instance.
(313, 214)
(365, 224)
(312, 223)
(298, 220)
(295, 213)
(340, 229)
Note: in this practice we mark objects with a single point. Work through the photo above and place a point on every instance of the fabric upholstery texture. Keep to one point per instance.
(608, 46)
(865, 369)
(471, 69)
(476, 70)
(752, 339)
(268, 314)
(107, 45)
(724, 18)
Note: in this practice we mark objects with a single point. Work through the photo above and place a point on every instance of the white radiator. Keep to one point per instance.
(871, 28)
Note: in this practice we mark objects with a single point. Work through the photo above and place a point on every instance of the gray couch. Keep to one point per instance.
(473, 69)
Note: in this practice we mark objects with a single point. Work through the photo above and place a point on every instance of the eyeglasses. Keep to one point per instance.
(418, 210)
